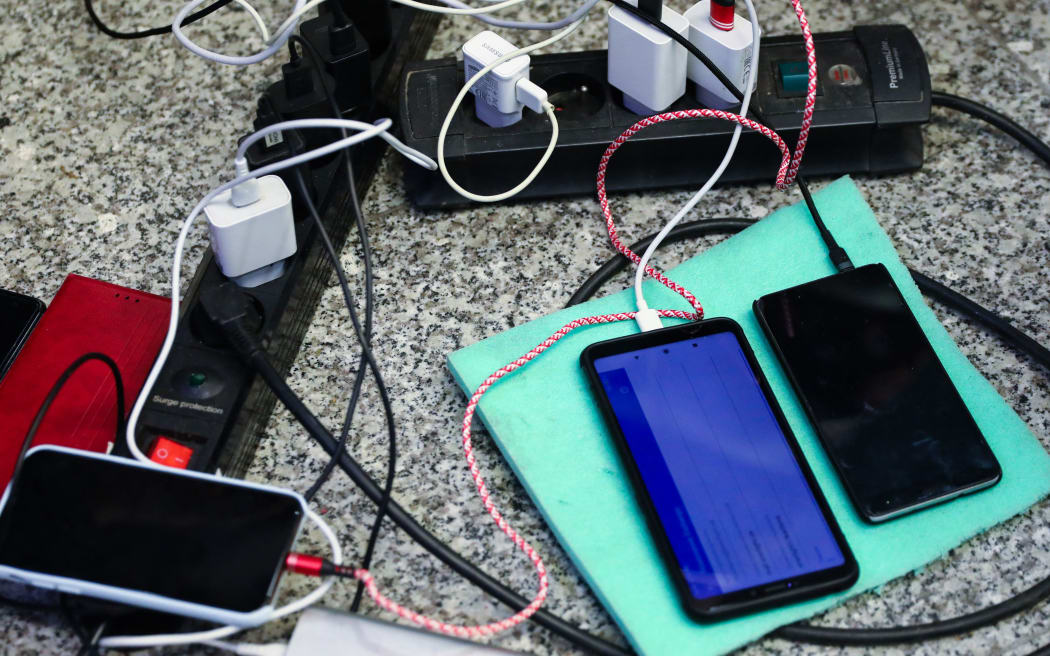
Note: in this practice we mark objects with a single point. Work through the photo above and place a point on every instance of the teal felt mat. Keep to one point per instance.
(544, 420)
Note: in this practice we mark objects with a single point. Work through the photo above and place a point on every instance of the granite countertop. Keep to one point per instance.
(104, 145)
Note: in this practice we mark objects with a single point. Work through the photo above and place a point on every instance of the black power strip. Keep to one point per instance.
(873, 97)
(205, 398)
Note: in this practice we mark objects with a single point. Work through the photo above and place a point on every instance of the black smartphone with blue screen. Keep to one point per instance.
(18, 316)
(728, 496)
(882, 403)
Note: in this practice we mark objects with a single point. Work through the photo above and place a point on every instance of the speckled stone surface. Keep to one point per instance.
(104, 145)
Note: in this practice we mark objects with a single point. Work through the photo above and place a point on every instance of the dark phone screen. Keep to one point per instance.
(186, 538)
(889, 416)
(18, 314)
(736, 508)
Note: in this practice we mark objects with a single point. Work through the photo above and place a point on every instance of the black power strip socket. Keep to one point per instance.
(205, 398)
(873, 97)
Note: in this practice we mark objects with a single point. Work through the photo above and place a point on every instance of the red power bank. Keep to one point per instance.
(86, 315)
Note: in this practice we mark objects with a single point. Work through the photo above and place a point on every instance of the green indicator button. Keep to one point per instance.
(794, 76)
(197, 379)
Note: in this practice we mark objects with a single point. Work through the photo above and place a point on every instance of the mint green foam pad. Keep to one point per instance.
(544, 420)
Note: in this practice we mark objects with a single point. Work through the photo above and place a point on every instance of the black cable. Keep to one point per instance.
(28, 606)
(366, 248)
(248, 347)
(56, 388)
(681, 232)
(156, 31)
(997, 119)
(1041, 651)
(118, 381)
(999, 325)
(836, 253)
(652, 8)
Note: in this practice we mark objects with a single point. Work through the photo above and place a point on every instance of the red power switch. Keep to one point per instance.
(170, 453)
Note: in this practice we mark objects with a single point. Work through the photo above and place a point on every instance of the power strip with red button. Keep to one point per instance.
(873, 96)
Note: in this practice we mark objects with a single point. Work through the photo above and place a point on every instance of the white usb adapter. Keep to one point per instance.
(504, 91)
(252, 229)
(644, 63)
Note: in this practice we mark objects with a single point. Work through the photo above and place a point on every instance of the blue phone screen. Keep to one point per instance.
(729, 493)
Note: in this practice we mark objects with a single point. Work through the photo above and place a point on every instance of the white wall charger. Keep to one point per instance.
(252, 229)
(503, 92)
(726, 37)
(644, 63)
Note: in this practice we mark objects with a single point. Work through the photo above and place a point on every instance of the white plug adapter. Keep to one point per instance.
(252, 230)
(726, 37)
(501, 94)
(644, 63)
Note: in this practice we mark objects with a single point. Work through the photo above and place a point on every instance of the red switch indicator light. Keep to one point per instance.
(170, 453)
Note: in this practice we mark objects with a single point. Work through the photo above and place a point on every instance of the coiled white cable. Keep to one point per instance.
(459, 99)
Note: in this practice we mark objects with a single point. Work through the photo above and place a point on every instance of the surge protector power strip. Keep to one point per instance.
(873, 96)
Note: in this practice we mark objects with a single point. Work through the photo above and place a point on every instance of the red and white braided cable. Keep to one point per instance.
(482, 630)
(603, 165)
(785, 175)
(811, 96)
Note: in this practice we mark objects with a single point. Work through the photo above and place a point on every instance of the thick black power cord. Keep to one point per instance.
(156, 31)
(248, 347)
(996, 119)
(836, 253)
(821, 635)
(366, 249)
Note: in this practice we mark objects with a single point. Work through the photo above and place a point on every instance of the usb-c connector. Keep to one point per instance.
(648, 319)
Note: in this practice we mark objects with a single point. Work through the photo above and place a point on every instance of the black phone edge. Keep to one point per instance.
(16, 348)
(733, 604)
(758, 308)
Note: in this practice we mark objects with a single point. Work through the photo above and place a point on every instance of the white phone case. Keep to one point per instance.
(137, 597)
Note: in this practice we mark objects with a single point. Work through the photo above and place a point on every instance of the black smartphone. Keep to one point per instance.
(882, 403)
(170, 540)
(18, 316)
(730, 501)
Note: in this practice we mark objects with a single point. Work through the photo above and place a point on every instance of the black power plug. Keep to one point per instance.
(300, 94)
(278, 146)
(345, 55)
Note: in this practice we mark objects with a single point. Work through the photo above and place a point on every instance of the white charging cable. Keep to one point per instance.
(161, 640)
(259, 22)
(577, 14)
(647, 319)
(549, 108)
(276, 42)
(366, 131)
(458, 8)
(460, 11)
